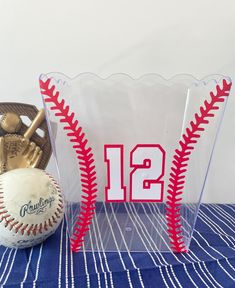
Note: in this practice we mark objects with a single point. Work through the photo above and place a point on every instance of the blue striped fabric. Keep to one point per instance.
(209, 263)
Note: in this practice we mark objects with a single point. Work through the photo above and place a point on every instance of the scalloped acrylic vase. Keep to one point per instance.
(133, 156)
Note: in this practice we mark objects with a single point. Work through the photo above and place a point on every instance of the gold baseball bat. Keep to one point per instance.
(2, 156)
(35, 124)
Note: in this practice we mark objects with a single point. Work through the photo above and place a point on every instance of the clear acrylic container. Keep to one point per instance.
(133, 155)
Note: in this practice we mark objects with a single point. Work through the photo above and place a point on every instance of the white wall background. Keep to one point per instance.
(131, 36)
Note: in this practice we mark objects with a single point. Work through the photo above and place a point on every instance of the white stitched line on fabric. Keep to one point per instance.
(207, 220)
(167, 265)
(71, 266)
(146, 234)
(118, 250)
(154, 262)
(209, 254)
(94, 259)
(217, 228)
(127, 250)
(99, 254)
(220, 265)
(144, 243)
(3, 255)
(66, 260)
(227, 260)
(225, 224)
(194, 258)
(98, 250)
(185, 255)
(199, 245)
(159, 222)
(61, 253)
(203, 262)
(218, 252)
(225, 215)
(221, 254)
(12, 262)
(38, 266)
(6, 265)
(230, 207)
(203, 270)
(225, 271)
(198, 274)
(210, 226)
(105, 234)
(122, 235)
(102, 247)
(86, 267)
(137, 230)
(27, 268)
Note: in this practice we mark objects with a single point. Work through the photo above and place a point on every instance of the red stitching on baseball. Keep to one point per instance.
(86, 162)
(22, 230)
(180, 163)
(41, 226)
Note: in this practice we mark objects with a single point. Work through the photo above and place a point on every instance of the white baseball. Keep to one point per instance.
(31, 207)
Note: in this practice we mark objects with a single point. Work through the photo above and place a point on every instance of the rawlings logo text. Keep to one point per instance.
(37, 208)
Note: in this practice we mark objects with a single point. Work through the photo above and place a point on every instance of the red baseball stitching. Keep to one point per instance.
(180, 163)
(86, 163)
(10, 222)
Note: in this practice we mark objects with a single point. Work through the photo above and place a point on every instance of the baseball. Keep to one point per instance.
(11, 122)
(31, 207)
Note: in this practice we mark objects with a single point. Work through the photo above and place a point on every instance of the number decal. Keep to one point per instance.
(148, 163)
(146, 184)
(115, 191)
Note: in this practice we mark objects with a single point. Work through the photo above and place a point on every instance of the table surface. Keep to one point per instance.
(209, 263)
